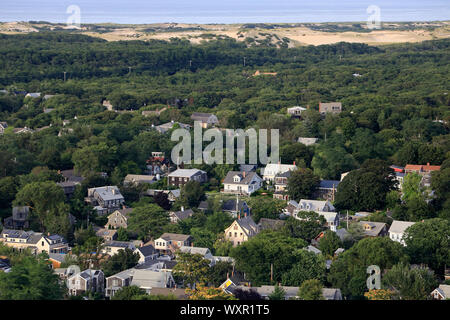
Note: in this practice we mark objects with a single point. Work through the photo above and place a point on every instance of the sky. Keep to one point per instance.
(223, 11)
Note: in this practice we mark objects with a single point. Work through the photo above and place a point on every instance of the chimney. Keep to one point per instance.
(48, 234)
(123, 207)
(243, 174)
(428, 164)
(142, 244)
(294, 163)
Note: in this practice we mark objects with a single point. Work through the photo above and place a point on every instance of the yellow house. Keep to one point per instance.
(241, 230)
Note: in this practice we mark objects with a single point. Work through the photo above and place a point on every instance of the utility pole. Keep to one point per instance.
(244, 61)
(271, 272)
(190, 63)
(65, 76)
(129, 70)
(347, 219)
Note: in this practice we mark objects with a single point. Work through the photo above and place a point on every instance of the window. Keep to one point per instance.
(235, 234)
(229, 234)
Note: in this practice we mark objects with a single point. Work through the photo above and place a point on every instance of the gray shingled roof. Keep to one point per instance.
(245, 178)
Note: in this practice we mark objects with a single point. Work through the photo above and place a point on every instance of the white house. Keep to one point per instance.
(442, 292)
(295, 111)
(397, 230)
(171, 241)
(241, 182)
(272, 169)
(315, 205)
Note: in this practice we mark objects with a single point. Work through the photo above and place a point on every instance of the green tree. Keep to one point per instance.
(410, 283)
(122, 260)
(192, 268)
(302, 183)
(329, 243)
(428, 242)
(191, 195)
(348, 271)
(307, 226)
(278, 293)
(308, 266)
(30, 279)
(311, 290)
(148, 221)
(128, 293)
(255, 256)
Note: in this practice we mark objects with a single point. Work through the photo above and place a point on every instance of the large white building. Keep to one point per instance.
(272, 169)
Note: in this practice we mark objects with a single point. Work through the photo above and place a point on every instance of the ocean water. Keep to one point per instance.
(224, 11)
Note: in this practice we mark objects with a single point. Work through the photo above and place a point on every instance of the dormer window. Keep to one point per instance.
(236, 178)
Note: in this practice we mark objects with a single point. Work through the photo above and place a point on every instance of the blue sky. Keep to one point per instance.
(224, 11)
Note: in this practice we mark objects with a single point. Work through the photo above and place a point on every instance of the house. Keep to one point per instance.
(280, 182)
(338, 251)
(177, 216)
(71, 176)
(157, 112)
(107, 104)
(207, 119)
(23, 130)
(157, 164)
(204, 252)
(290, 208)
(182, 176)
(397, 230)
(86, 281)
(3, 126)
(119, 218)
(315, 205)
(332, 219)
(313, 249)
(106, 234)
(105, 199)
(241, 182)
(241, 230)
(327, 189)
(258, 73)
(169, 242)
(146, 253)
(68, 187)
(296, 111)
(374, 229)
(343, 234)
(172, 195)
(307, 141)
(36, 242)
(137, 179)
(19, 218)
(117, 281)
(163, 128)
(442, 292)
(33, 95)
(236, 207)
(56, 259)
(270, 224)
(421, 169)
(272, 169)
(113, 247)
(149, 279)
(330, 107)
(332, 294)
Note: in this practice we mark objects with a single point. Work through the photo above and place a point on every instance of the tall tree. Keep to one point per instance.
(302, 183)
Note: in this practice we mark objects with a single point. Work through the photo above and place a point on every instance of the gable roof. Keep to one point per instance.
(276, 168)
(203, 117)
(245, 177)
(328, 184)
(195, 250)
(249, 226)
(182, 173)
(376, 227)
(147, 250)
(314, 205)
(273, 224)
(400, 226)
(145, 278)
(230, 205)
(182, 214)
(444, 290)
(174, 236)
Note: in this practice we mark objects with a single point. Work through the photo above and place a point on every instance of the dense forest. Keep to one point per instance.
(395, 111)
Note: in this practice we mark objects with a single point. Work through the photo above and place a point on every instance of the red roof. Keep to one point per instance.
(420, 167)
